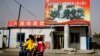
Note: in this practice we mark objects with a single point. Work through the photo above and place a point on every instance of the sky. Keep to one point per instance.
(9, 11)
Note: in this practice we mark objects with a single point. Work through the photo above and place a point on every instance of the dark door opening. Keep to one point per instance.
(74, 40)
(58, 41)
(4, 42)
(58, 37)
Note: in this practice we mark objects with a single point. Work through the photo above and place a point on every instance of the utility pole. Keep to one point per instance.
(19, 15)
(18, 24)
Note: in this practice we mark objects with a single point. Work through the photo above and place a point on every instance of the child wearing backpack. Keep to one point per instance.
(40, 46)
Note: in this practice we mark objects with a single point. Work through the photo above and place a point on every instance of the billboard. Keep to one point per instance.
(59, 11)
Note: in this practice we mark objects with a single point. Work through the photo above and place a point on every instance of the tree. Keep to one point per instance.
(96, 35)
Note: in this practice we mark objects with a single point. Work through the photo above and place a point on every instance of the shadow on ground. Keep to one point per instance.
(95, 45)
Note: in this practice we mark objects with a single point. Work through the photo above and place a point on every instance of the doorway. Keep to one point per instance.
(58, 41)
(4, 43)
(74, 40)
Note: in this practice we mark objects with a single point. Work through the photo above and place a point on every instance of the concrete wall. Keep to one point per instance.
(6, 32)
(5, 40)
(1, 35)
(13, 35)
(47, 37)
(66, 36)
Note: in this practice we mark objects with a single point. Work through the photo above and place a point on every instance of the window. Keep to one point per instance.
(4, 35)
(20, 37)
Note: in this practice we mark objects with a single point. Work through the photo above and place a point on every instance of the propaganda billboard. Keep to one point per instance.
(59, 11)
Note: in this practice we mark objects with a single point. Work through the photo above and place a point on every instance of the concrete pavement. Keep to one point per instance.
(9, 50)
(52, 51)
(15, 52)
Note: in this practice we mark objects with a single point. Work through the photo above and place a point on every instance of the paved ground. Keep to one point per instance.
(9, 54)
(96, 46)
(15, 52)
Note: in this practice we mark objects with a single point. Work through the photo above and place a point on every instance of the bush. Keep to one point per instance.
(96, 35)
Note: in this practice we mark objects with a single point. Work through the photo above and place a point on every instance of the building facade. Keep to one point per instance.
(66, 25)
(55, 36)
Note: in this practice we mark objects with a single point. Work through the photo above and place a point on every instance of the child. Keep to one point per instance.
(40, 46)
(30, 45)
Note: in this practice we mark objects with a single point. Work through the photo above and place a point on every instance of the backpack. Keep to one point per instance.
(40, 47)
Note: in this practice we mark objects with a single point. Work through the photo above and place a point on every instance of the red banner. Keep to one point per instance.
(25, 23)
(40, 23)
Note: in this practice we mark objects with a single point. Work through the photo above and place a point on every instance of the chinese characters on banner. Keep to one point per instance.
(25, 23)
(57, 11)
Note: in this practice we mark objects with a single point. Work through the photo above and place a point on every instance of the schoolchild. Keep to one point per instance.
(40, 46)
(30, 45)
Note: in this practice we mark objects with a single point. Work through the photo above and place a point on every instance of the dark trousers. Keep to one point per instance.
(40, 53)
(35, 53)
(28, 53)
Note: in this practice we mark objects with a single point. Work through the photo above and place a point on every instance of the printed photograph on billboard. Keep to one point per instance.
(57, 11)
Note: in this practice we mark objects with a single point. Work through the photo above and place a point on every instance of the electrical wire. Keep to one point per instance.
(26, 9)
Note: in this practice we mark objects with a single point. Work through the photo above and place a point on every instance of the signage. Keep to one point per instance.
(40, 23)
(58, 11)
(25, 23)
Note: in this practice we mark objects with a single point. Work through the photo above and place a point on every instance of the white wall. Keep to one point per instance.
(83, 39)
(44, 32)
(1, 35)
(4, 32)
(83, 43)
(66, 36)
(27, 32)
(47, 37)
(13, 35)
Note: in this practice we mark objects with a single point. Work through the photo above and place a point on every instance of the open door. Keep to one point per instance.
(74, 40)
(4, 43)
(58, 41)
